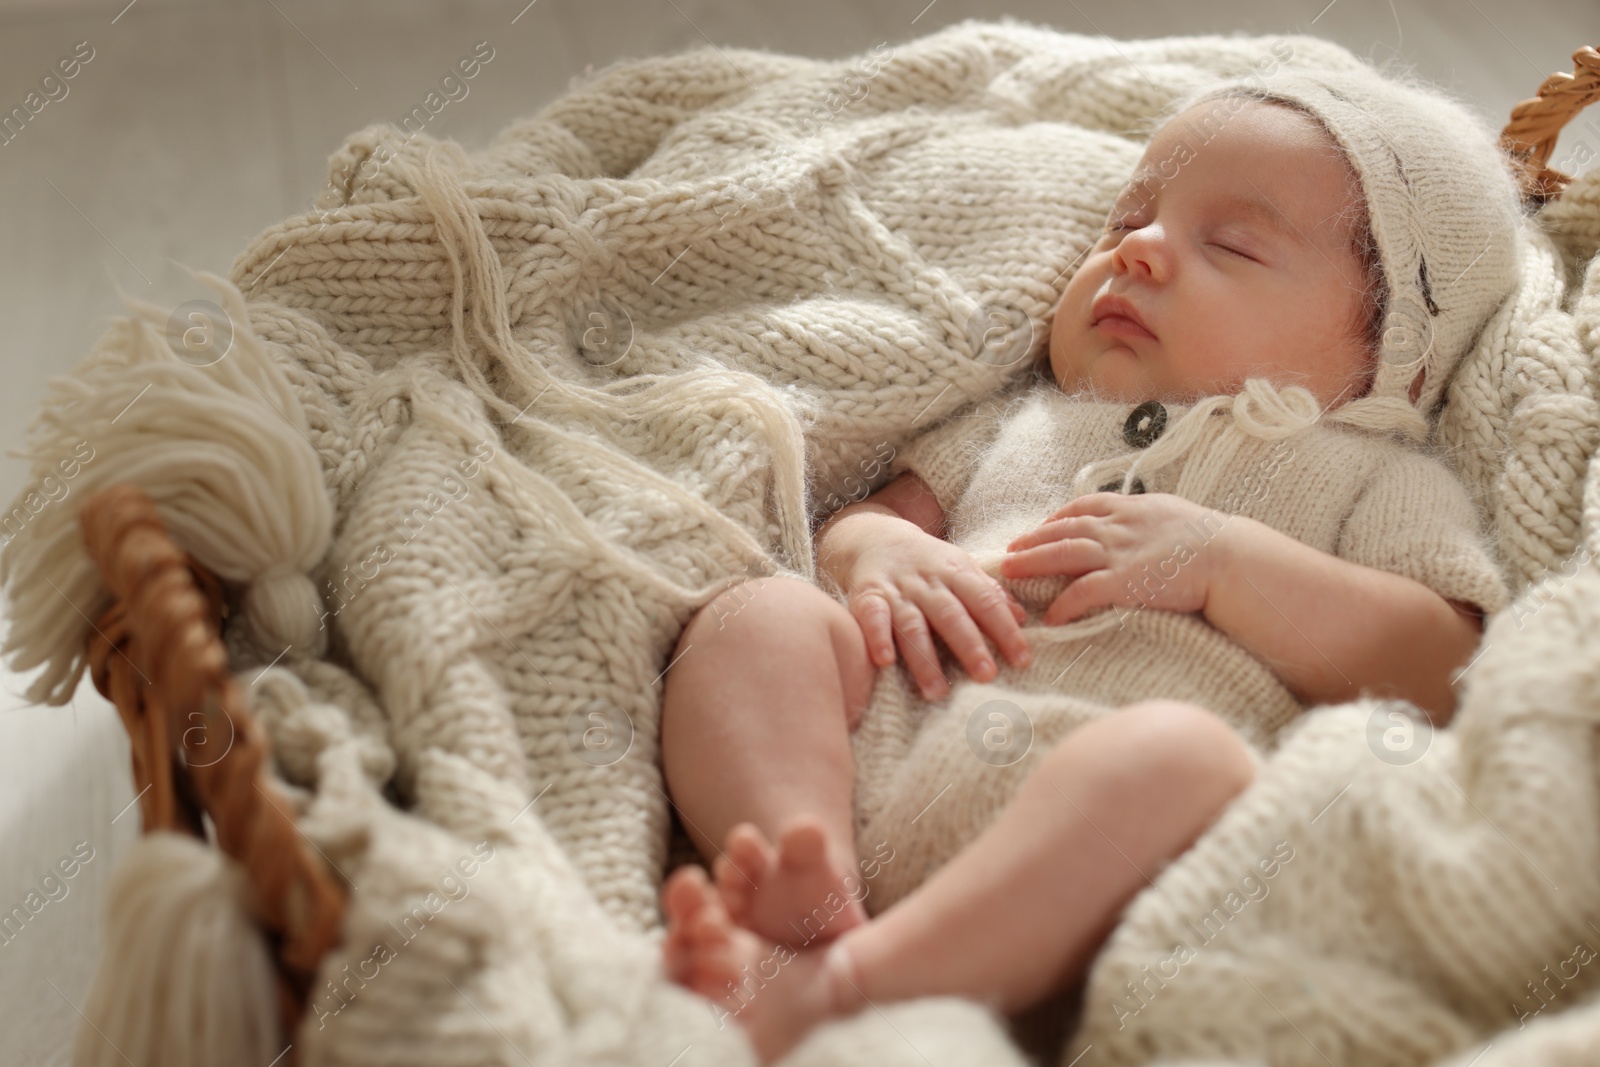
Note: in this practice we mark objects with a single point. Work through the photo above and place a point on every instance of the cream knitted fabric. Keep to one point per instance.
(561, 391)
(1001, 468)
(1521, 419)
(1376, 904)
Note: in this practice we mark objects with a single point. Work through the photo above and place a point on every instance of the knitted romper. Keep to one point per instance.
(930, 775)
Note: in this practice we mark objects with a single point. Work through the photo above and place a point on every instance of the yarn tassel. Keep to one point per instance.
(185, 979)
(222, 450)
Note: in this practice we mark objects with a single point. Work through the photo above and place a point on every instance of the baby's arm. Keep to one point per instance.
(887, 553)
(1331, 628)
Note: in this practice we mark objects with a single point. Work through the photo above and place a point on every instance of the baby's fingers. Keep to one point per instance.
(1072, 557)
(872, 614)
(1043, 534)
(1080, 597)
(916, 644)
(953, 618)
(993, 607)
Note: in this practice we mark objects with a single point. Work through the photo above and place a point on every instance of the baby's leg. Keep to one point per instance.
(1020, 912)
(765, 684)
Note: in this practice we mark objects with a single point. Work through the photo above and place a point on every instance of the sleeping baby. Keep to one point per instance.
(1215, 507)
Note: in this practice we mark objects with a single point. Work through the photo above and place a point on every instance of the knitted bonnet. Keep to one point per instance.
(1442, 208)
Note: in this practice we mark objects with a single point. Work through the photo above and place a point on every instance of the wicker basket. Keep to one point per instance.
(157, 654)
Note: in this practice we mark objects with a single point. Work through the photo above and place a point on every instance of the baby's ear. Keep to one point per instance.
(1416, 384)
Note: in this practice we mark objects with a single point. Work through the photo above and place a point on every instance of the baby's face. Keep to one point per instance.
(1234, 254)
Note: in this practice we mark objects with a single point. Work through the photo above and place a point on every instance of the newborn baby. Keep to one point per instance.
(1217, 509)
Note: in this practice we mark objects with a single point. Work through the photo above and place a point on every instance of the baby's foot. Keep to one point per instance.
(795, 895)
(775, 992)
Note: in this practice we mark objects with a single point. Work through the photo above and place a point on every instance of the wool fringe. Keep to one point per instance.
(221, 449)
(185, 979)
(481, 333)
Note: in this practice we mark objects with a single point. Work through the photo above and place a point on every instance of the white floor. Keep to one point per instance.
(197, 124)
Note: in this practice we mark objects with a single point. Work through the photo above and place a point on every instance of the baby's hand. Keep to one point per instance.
(902, 582)
(1149, 548)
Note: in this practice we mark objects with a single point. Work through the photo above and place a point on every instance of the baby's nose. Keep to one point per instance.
(1142, 253)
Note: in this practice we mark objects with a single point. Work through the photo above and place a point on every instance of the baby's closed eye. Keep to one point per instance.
(1233, 250)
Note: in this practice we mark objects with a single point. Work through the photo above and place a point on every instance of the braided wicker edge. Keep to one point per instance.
(157, 655)
(1530, 136)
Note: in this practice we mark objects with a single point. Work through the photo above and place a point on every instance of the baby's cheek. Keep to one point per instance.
(1216, 358)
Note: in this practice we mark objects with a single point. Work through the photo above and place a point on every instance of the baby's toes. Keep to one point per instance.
(684, 894)
(709, 931)
(803, 846)
(677, 954)
(742, 869)
(750, 851)
(733, 888)
(683, 898)
(711, 972)
(710, 955)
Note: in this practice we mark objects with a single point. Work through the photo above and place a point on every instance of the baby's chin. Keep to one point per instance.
(1114, 375)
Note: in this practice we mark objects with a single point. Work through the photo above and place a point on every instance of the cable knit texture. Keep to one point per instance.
(514, 414)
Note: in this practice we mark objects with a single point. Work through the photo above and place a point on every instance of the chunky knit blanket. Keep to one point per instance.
(472, 441)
